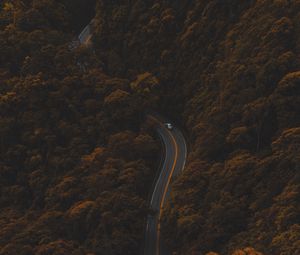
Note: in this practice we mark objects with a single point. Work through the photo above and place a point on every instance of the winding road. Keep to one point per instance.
(86, 35)
(173, 164)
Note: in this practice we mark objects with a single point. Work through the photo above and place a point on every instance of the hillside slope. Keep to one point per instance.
(231, 68)
(77, 160)
(227, 71)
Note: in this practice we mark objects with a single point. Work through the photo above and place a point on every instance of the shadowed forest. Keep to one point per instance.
(78, 160)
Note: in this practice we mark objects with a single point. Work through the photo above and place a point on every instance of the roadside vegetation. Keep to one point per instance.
(229, 72)
(77, 161)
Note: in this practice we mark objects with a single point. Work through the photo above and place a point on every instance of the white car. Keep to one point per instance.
(169, 126)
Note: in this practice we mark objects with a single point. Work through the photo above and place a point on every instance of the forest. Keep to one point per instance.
(69, 184)
(226, 71)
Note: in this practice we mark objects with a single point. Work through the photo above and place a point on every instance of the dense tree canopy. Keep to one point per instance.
(229, 74)
(77, 160)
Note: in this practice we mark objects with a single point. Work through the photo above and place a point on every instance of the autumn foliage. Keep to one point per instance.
(77, 160)
(229, 73)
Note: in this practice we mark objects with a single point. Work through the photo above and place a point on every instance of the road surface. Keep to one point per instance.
(84, 38)
(86, 34)
(174, 161)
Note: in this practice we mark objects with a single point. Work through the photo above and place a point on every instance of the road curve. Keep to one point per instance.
(86, 35)
(173, 164)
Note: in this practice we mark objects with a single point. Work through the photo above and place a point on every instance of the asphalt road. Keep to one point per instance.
(173, 164)
(86, 35)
